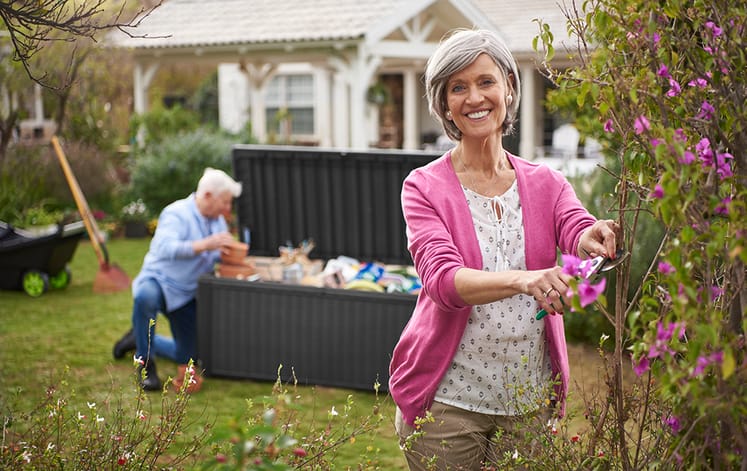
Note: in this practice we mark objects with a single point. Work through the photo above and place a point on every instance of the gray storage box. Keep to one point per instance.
(349, 204)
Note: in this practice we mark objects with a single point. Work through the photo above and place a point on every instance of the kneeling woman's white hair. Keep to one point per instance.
(217, 181)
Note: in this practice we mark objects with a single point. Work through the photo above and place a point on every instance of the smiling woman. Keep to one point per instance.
(473, 354)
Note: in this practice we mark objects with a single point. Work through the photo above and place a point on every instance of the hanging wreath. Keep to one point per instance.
(378, 94)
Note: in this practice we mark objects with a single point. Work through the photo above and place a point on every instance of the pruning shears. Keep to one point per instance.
(597, 266)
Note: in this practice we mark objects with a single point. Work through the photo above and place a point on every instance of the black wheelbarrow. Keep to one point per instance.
(36, 260)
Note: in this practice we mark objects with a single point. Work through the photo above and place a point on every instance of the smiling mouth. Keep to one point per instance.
(478, 114)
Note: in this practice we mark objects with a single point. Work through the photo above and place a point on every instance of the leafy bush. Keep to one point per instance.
(205, 100)
(135, 433)
(111, 435)
(31, 179)
(277, 436)
(597, 192)
(169, 170)
(19, 188)
(663, 90)
(160, 123)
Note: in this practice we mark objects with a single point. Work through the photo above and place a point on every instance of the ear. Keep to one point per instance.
(511, 82)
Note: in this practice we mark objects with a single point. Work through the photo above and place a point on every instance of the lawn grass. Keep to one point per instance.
(77, 328)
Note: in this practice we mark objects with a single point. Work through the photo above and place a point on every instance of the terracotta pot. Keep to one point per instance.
(239, 272)
(235, 253)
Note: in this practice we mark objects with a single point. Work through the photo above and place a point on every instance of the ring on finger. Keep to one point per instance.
(548, 291)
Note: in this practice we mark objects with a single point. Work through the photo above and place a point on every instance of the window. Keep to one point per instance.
(294, 93)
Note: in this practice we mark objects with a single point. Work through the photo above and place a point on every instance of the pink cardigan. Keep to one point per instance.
(441, 239)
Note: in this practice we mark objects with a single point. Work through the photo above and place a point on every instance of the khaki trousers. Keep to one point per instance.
(457, 439)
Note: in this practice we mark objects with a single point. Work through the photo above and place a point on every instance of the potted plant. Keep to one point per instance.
(378, 94)
(134, 218)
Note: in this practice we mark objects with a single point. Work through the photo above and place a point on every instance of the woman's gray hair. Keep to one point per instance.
(216, 182)
(454, 54)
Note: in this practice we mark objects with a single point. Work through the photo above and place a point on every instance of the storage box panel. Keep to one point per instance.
(348, 202)
(324, 336)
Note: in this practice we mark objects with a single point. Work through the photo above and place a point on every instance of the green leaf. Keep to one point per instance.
(728, 365)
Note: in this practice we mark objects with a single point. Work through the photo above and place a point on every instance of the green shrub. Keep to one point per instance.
(32, 181)
(170, 170)
(597, 193)
(19, 188)
(663, 92)
(115, 434)
(205, 101)
(161, 123)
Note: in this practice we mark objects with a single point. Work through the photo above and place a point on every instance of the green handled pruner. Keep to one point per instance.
(599, 265)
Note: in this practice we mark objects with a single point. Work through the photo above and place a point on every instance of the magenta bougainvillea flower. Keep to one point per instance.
(575, 266)
(663, 71)
(687, 158)
(706, 111)
(608, 126)
(674, 88)
(665, 268)
(642, 366)
(716, 31)
(641, 125)
(664, 334)
(723, 207)
(704, 361)
(699, 82)
(588, 292)
(723, 165)
(658, 192)
(674, 424)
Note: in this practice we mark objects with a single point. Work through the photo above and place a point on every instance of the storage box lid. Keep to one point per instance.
(348, 202)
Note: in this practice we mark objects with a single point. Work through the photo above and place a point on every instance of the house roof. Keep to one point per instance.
(516, 20)
(194, 23)
(208, 23)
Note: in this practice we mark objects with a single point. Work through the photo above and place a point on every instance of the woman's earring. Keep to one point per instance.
(448, 115)
(509, 99)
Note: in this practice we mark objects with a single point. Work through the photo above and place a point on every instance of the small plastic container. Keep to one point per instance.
(293, 274)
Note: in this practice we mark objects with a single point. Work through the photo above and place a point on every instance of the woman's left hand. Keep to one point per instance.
(600, 239)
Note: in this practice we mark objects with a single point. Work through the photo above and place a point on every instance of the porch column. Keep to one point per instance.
(143, 76)
(358, 134)
(323, 113)
(363, 70)
(258, 74)
(340, 108)
(530, 119)
(411, 139)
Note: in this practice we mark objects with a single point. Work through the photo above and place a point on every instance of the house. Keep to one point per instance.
(337, 73)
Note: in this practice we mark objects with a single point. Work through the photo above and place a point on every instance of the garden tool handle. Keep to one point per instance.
(80, 201)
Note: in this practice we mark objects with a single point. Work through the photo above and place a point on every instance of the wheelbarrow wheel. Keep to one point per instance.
(61, 279)
(35, 283)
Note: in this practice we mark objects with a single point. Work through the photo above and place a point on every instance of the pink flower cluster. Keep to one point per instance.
(721, 161)
(660, 348)
(588, 292)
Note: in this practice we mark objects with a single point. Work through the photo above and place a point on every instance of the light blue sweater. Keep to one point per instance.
(171, 259)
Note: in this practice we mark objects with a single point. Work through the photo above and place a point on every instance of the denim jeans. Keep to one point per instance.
(148, 302)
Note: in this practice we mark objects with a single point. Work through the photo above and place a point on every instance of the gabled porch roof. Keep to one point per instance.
(240, 27)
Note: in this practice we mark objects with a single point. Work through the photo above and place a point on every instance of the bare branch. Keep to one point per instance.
(32, 23)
